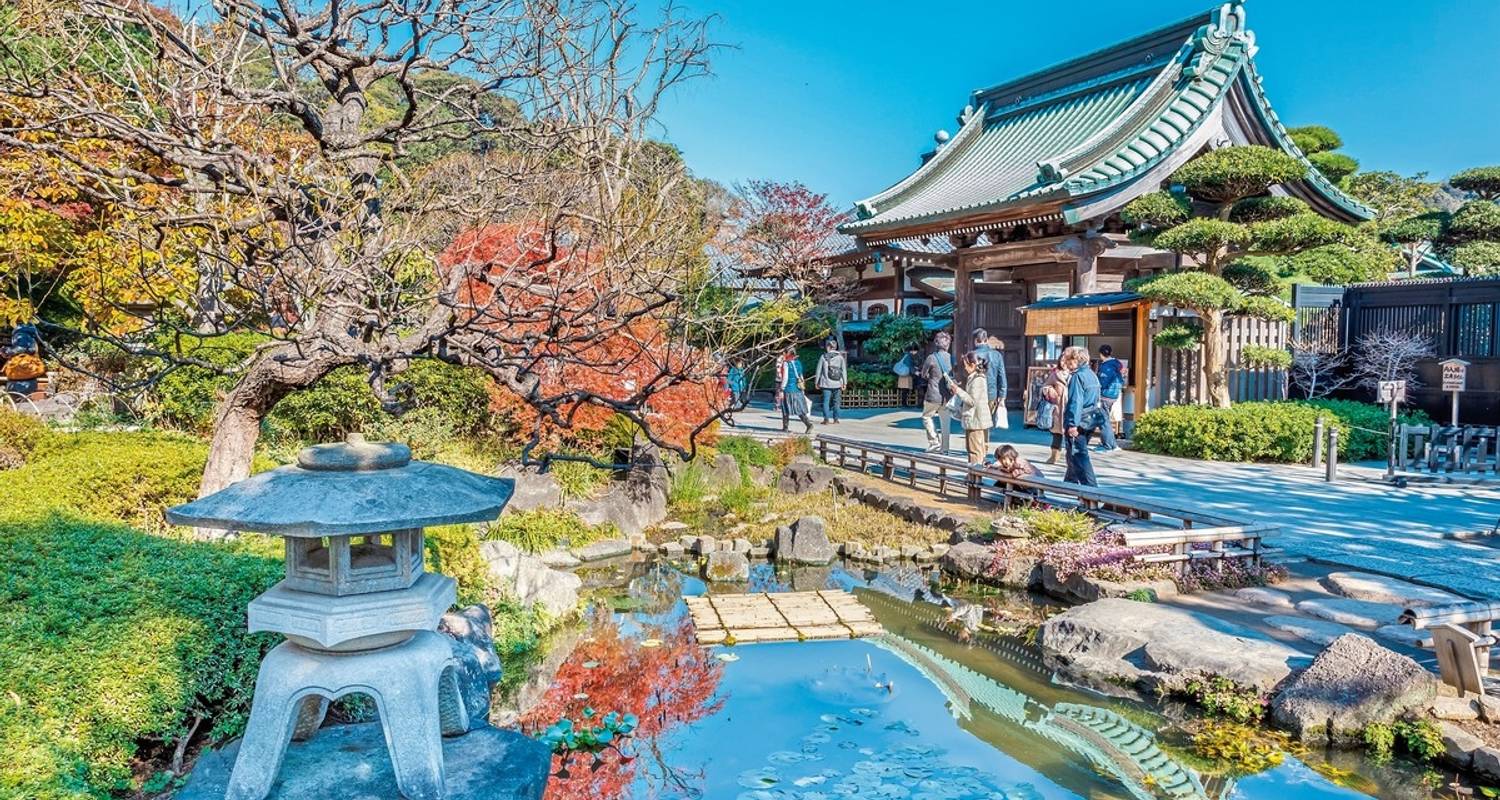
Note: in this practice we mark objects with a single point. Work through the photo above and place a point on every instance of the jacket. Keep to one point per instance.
(976, 400)
(736, 380)
(994, 372)
(788, 375)
(1083, 394)
(938, 364)
(826, 362)
(1058, 380)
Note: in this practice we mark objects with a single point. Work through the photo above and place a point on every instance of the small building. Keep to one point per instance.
(1022, 204)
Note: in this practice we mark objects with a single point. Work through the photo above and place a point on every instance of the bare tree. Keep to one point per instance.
(311, 172)
(1317, 371)
(1390, 355)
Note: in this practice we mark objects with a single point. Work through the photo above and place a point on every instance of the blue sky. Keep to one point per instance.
(845, 96)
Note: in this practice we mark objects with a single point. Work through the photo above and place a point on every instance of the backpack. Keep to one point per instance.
(835, 370)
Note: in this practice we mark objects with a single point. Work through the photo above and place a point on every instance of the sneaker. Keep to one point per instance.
(808, 423)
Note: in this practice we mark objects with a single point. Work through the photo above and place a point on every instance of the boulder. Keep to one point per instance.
(703, 545)
(559, 559)
(634, 504)
(1459, 746)
(1456, 709)
(473, 638)
(968, 560)
(529, 580)
(724, 471)
(1268, 598)
(1116, 642)
(1080, 588)
(802, 477)
(804, 542)
(599, 551)
(1382, 589)
(673, 526)
(1487, 762)
(727, 565)
(762, 476)
(1010, 527)
(672, 550)
(1349, 685)
(739, 545)
(533, 489)
(759, 551)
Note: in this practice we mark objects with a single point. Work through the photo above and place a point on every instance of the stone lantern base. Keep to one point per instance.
(349, 762)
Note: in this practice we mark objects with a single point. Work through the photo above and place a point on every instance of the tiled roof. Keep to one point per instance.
(1083, 128)
(1093, 300)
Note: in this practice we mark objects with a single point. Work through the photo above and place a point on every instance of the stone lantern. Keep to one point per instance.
(357, 607)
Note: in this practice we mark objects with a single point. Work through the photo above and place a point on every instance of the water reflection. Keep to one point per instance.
(910, 714)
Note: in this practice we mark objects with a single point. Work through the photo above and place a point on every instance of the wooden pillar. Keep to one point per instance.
(1086, 247)
(1140, 369)
(963, 310)
(898, 305)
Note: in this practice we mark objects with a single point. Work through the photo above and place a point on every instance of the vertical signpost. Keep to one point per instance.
(1455, 375)
(1392, 393)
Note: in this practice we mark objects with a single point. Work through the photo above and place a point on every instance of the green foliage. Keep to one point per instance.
(1156, 211)
(1222, 697)
(1196, 290)
(1426, 227)
(1482, 181)
(125, 477)
(1356, 420)
(1312, 139)
(1334, 166)
(1379, 740)
(1203, 237)
(579, 480)
(1267, 207)
(184, 397)
(1363, 259)
(454, 551)
(1478, 258)
(22, 433)
(1231, 173)
(1265, 431)
(892, 334)
(1058, 525)
(867, 379)
(1475, 220)
(1392, 196)
(543, 529)
(1298, 232)
(1141, 595)
(1253, 277)
(1264, 308)
(1255, 355)
(111, 643)
(1420, 739)
(1178, 336)
(748, 451)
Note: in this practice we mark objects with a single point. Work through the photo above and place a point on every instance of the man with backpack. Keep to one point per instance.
(935, 369)
(832, 377)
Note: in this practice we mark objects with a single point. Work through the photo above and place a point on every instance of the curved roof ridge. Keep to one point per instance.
(974, 121)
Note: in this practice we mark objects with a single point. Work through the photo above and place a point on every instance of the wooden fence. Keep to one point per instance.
(1177, 375)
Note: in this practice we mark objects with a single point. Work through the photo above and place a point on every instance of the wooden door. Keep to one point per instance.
(995, 310)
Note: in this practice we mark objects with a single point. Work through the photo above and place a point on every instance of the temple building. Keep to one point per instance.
(1022, 203)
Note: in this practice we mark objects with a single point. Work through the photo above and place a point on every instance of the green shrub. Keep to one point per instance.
(871, 379)
(454, 551)
(112, 642)
(749, 452)
(126, 477)
(1254, 355)
(543, 529)
(1178, 336)
(579, 479)
(22, 433)
(1058, 525)
(1266, 431)
(688, 486)
(1222, 697)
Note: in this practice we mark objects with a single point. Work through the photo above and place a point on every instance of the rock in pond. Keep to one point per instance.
(804, 542)
(530, 580)
(1349, 685)
(726, 565)
(968, 560)
(472, 632)
(598, 551)
(1116, 642)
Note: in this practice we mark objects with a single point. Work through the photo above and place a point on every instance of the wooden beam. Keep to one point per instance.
(1140, 369)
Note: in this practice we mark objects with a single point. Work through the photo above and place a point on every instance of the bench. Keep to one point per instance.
(1226, 542)
(1476, 617)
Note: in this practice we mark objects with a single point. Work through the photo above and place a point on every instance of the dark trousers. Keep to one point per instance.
(1080, 466)
(1107, 430)
(832, 399)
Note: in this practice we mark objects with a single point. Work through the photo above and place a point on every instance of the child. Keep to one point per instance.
(1008, 460)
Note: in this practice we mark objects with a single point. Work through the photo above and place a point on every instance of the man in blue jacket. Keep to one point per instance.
(994, 373)
(1080, 416)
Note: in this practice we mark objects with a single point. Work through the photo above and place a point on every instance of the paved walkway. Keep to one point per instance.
(1358, 522)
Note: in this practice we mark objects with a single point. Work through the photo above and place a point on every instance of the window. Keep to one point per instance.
(916, 310)
(877, 310)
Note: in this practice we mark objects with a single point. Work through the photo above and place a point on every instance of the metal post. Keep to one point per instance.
(1333, 454)
(1390, 461)
(1318, 443)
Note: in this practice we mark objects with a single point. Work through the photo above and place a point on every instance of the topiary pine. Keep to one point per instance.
(1232, 173)
(1482, 181)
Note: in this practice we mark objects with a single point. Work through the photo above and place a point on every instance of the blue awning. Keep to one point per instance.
(1100, 300)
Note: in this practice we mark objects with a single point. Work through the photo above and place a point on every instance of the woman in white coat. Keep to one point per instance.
(975, 413)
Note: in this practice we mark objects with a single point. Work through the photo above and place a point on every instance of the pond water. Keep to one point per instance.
(914, 713)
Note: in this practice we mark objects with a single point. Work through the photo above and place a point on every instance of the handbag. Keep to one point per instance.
(1002, 417)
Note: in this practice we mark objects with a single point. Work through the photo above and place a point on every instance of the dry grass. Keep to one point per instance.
(846, 520)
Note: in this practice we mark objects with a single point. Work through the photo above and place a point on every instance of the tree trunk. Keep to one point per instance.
(1215, 375)
(274, 375)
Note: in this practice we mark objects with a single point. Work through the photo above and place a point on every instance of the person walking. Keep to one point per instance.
(789, 396)
(735, 382)
(935, 397)
(1049, 408)
(906, 370)
(1112, 375)
(988, 348)
(975, 414)
(832, 377)
(1081, 415)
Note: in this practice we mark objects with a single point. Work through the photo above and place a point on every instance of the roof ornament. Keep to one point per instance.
(864, 210)
(1213, 40)
(1050, 172)
(966, 115)
(941, 137)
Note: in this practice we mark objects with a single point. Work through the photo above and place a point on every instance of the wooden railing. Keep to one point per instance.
(1188, 535)
(1444, 448)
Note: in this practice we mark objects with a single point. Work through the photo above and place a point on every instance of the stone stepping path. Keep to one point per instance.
(1383, 589)
(1357, 613)
(780, 617)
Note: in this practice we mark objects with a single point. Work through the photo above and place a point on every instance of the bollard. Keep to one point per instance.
(1333, 455)
(1318, 443)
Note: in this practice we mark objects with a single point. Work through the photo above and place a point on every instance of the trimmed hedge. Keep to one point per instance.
(1264, 431)
(126, 477)
(112, 642)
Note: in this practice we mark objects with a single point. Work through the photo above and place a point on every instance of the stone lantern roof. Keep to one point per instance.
(349, 488)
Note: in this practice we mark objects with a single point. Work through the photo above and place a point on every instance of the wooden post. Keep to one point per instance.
(963, 315)
(1140, 371)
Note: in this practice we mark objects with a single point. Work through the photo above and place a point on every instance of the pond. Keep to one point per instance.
(913, 713)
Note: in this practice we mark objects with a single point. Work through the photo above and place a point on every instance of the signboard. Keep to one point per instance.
(1455, 374)
(1392, 392)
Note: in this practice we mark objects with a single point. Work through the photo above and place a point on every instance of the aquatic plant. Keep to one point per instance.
(591, 734)
(1419, 739)
(1241, 749)
(1222, 697)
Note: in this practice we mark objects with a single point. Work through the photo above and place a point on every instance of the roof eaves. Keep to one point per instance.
(973, 122)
